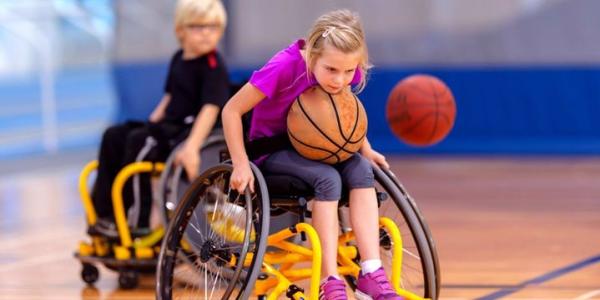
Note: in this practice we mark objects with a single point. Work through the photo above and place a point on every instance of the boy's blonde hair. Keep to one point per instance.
(343, 30)
(187, 11)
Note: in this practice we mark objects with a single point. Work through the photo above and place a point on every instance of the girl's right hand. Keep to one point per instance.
(242, 177)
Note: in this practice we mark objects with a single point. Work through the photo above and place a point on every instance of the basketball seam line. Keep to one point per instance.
(436, 104)
(331, 153)
(437, 111)
(339, 123)
(315, 125)
(340, 128)
(356, 101)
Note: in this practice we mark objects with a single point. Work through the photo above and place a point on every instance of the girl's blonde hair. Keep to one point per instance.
(188, 11)
(343, 30)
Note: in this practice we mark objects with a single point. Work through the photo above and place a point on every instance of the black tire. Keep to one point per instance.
(419, 270)
(128, 279)
(430, 240)
(197, 252)
(89, 273)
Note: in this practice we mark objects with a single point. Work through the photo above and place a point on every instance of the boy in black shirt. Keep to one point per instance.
(196, 89)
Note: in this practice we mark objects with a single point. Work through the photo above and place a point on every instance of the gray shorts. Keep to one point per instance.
(355, 172)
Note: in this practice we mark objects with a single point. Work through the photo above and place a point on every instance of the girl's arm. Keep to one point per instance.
(372, 155)
(159, 111)
(188, 156)
(242, 102)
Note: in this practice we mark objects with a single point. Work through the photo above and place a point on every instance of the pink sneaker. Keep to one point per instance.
(333, 289)
(375, 286)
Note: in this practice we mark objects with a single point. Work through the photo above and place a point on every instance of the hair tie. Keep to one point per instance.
(328, 31)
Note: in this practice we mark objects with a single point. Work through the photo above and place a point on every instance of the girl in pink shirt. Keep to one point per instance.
(334, 56)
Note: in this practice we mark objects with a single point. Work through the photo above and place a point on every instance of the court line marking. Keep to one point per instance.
(541, 279)
(477, 286)
(588, 295)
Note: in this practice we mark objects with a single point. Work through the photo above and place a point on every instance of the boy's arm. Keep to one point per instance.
(189, 154)
(159, 111)
(205, 120)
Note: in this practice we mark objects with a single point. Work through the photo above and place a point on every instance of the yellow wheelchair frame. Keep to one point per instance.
(128, 253)
(292, 254)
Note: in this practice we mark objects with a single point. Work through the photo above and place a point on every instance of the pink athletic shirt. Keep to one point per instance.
(282, 79)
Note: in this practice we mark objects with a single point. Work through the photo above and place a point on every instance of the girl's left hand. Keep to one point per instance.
(376, 158)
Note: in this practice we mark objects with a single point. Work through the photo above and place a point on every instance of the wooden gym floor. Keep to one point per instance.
(505, 228)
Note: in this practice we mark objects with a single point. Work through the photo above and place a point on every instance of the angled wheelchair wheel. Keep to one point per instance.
(419, 271)
(424, 226)
(214, 240)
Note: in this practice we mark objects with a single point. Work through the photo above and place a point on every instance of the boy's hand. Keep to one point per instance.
(242, 177)
(375, 158)
(189, 158)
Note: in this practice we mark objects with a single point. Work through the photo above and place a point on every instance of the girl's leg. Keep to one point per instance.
(327, 184)
(372, 283)
(364, 217)
(325, 222)
(357, 175)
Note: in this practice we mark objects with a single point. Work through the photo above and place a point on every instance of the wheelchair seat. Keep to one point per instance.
(286, 186)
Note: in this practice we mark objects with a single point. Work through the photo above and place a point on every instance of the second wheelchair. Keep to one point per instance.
(133, 251)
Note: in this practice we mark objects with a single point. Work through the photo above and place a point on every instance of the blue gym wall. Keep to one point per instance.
(519, 110)
(525, 73)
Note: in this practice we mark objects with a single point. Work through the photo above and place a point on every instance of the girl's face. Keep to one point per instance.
(335, 69)
(200, 37)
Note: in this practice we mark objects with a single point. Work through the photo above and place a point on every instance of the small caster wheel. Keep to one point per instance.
(385, 241)
(89, 273)
(128, 280)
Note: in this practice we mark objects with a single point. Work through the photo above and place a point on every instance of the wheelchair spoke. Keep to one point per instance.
(230, 247)
(214, 284)
(197, 230)
(415, 256)
(205, 283)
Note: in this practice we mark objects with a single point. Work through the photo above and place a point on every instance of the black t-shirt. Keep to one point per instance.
(193, 83)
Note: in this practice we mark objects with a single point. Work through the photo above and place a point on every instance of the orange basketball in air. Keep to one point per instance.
(421, 110)
(327, 127)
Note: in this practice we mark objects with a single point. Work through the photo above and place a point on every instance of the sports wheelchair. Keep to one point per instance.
(135, 252)
(223, 245)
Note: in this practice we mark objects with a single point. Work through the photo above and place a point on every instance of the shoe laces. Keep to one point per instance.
(382, 281)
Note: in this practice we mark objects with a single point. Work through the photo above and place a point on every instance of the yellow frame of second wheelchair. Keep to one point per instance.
(140, 246)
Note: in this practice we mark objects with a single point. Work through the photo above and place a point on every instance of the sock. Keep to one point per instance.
(370, 265)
